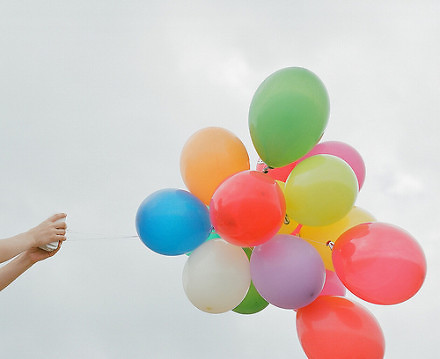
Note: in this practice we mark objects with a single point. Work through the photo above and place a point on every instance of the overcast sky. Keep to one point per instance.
(97, 99)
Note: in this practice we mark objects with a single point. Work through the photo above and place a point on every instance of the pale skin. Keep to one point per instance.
(23, 248)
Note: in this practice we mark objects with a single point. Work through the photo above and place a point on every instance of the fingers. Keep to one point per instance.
(61, 238)
(56, 250)
(60, 225)
(57, 217)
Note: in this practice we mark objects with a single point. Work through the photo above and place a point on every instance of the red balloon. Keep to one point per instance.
(248, 208)
(380, 263)
(279, 173)
(337, 328)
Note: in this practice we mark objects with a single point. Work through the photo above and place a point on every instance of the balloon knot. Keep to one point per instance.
(330, 244)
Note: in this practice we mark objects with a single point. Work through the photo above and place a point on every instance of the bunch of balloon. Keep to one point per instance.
(288, 233)
(377, 262)
(216, 275)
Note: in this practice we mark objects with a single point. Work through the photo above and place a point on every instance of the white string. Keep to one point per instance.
(87, 236)
(95, 236)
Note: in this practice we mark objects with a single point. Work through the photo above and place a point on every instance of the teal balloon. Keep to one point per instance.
(253, 302)
(212, 235)
(288, 115)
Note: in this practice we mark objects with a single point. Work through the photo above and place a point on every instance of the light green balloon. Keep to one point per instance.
(288, 115)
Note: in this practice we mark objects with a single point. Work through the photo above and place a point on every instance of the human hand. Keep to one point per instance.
(36, 254)
(51, 230)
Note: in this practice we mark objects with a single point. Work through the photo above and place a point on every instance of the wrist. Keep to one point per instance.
(30, 239)
(25, 260)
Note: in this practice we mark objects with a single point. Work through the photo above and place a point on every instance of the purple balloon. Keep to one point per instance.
(287, 271)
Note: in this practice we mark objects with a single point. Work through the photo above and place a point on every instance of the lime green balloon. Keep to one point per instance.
(320, 190)
(253, 302)
(288, 115)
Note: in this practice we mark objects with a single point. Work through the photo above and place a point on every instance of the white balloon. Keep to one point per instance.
(216, 276)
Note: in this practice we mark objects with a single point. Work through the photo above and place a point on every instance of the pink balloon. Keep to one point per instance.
(333, 286)
(380, 263)
(287, 271)
(343, 151)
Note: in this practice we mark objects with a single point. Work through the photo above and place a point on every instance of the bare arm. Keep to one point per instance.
(48, 231)
(21, 263)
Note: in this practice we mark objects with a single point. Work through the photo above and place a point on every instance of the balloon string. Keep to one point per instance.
(329, 244)
(96, 236)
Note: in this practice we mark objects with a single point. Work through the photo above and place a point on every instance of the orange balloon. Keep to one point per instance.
(209, 157)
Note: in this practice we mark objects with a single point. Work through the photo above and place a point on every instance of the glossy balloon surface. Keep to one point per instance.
(320, 190)
(318, 236)
(172, 222)
(287, 271)
(216, 276)
(344, 151)
(337, 328)
(209, 157)
(380, 263)
(253, 302)
(288, 115)
(248, 208)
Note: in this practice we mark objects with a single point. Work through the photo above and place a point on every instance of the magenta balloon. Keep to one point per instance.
(287, 271)
(343, 151)
(333, 285)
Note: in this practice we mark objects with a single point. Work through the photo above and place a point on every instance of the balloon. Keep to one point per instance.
(212, 235)
(335, 327)
(324, 251)
(253, 302)
(333, 286)
(379, 262)
(289, 225)
(216, 276)
(279, 174)
(210, 156)
(317, 236)
(287, 271)
(172, 222)
(247, 209)
(288, 115)
(345, 152)
(320, 190)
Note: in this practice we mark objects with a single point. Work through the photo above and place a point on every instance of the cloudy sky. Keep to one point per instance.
(97, 99)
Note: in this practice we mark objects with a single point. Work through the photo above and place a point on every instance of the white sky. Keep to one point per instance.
(97, 99)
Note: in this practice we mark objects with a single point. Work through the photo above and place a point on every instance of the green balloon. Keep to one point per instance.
(253, 302)
(288, 115)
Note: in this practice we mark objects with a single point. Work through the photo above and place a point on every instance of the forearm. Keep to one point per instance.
(12, 270)
(10, 247)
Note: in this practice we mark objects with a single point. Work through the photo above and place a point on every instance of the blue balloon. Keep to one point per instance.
(172, 222)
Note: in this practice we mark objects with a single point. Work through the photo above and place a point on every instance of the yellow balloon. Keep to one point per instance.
(320, 236)
(324, 251)
(320, 190)
(289, 225)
